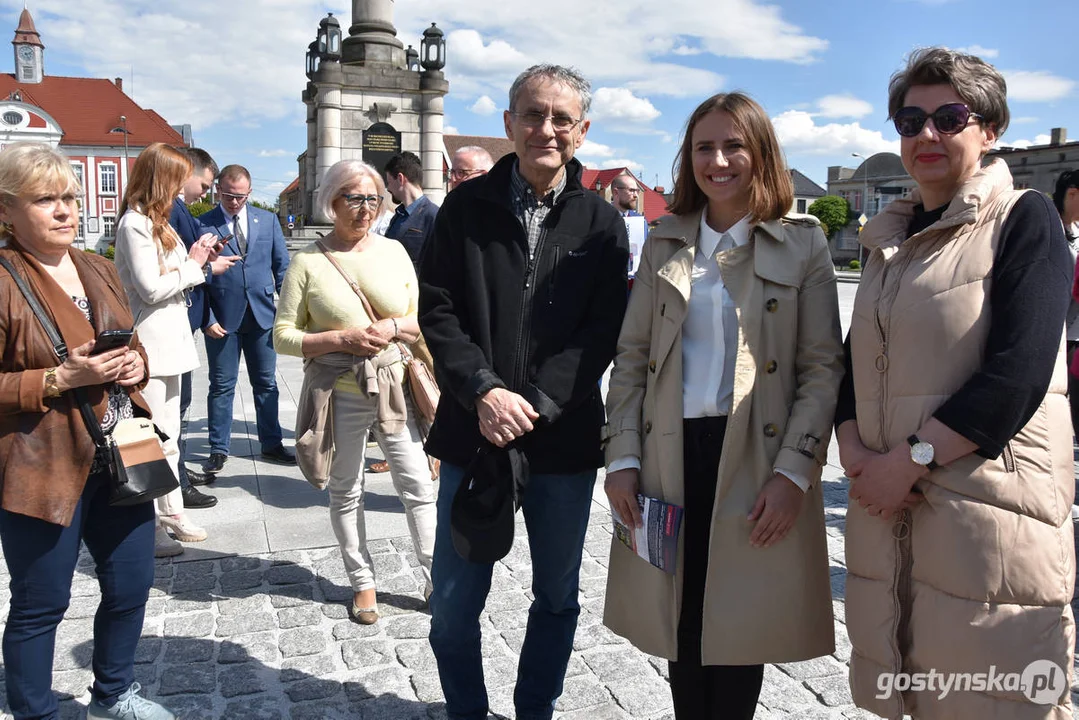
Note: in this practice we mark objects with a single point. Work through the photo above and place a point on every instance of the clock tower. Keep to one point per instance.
(29, 52)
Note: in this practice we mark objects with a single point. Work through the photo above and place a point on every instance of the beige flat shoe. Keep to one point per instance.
(182, 528)
(362, 616)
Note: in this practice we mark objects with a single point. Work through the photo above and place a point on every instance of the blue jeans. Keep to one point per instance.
(41, 558)
(223, 356)
(555, 509)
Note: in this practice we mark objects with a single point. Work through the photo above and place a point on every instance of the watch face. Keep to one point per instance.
(26, 53)
(921, 453)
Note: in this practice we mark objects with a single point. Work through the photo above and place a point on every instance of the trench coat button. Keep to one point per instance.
(770, 367)
(648, 427)
(652, 366)
(771, 305)
(770, 430)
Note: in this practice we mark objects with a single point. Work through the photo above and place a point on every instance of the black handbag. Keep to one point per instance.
(137, 469)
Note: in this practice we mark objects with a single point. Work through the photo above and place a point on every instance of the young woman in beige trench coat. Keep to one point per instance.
(721, 401)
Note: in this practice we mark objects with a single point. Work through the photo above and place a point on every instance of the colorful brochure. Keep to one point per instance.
(657, 539)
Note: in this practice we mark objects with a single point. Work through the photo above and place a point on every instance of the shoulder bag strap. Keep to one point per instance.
(351, 282)
(59, 347)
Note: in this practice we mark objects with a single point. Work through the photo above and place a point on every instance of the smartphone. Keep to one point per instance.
(222, 243)
(112, 339)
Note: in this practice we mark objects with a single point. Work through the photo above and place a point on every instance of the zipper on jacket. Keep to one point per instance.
(901, 593)
(524, 331)
(1009, 457)
(552, 284)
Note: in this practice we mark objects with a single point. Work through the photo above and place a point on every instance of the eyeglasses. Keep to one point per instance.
(234, 197)
(355, 202)
(948, 119)
(534, 119)
(462, 174)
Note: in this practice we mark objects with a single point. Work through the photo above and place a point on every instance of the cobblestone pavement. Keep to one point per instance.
(236, 633)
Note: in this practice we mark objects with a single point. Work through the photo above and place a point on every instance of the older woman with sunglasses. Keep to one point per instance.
(953, 422)
(347, 302)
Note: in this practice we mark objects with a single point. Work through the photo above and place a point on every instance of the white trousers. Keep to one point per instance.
(355, 415)
(162, 394)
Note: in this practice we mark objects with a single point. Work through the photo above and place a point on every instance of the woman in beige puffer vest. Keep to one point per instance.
(954, 427)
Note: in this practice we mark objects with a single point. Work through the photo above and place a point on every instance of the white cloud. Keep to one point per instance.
(594, 149)
(450, 130)
(610, 163)
(982, 52)
(843, 106)
(621, 105)
(799, 134)
(686, 50)
(484, 106)
(1037, 85)
(274, 153)
(1038, 140)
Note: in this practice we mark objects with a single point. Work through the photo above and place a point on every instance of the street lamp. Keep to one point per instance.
(865, 198)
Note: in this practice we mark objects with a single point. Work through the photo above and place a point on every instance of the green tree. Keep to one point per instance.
(264, 206)
(833, 213)
(200, 207)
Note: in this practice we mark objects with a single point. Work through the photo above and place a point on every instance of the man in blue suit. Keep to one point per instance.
(203, 171)
(240, 314)
(415, 213)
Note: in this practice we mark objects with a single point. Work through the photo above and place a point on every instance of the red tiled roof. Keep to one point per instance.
(87, 108)
(291, 186)
(654, 205)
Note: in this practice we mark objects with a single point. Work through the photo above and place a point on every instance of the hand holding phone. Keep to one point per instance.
(111, 339)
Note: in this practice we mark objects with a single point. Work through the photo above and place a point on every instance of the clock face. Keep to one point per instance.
(26, 53)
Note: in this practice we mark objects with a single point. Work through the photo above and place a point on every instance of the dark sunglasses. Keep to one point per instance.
(948, 119)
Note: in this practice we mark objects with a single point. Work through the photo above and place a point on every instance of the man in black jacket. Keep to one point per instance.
(522, 292)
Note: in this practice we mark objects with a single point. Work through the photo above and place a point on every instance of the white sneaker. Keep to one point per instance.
(129, 706)
(165, 546)
(182, 527)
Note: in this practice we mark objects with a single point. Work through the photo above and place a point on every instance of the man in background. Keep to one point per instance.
(469, 162)
(239, 317)
(624, 194)
(415, 213)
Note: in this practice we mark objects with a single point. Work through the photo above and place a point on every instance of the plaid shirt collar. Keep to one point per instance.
(523, 195)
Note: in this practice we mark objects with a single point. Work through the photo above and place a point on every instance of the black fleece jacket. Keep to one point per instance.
(546, 329)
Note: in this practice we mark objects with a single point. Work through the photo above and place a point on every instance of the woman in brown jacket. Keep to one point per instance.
(953, 424)
(721, 401)
(53, 490)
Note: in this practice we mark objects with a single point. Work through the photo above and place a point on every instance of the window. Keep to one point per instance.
(106, 179)
(81, 232)
(12, 117)
(856, 200)
(76, 167)
(27, 72)
(801, 205)
(108, 225)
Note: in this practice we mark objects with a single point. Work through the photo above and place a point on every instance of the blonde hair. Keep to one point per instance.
(156, 181)
(342, 173)
(28, 168)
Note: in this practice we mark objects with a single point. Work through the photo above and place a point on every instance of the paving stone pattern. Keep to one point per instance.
(240, 635)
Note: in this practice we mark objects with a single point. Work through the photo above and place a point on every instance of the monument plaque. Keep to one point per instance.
(380, 142)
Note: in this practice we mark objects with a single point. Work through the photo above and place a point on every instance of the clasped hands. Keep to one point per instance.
(504, 416)
(370, 340)
(882, 483)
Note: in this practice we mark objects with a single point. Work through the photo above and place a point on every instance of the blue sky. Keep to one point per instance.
(235, 70)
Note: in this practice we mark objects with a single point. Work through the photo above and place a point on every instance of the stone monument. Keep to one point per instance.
(368, 97)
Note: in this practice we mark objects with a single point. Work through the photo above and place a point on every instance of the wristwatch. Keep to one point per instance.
(922, 453)
(51, 389)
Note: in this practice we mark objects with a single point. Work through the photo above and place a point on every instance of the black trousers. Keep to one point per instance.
(1073, 391)
(704, 692)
